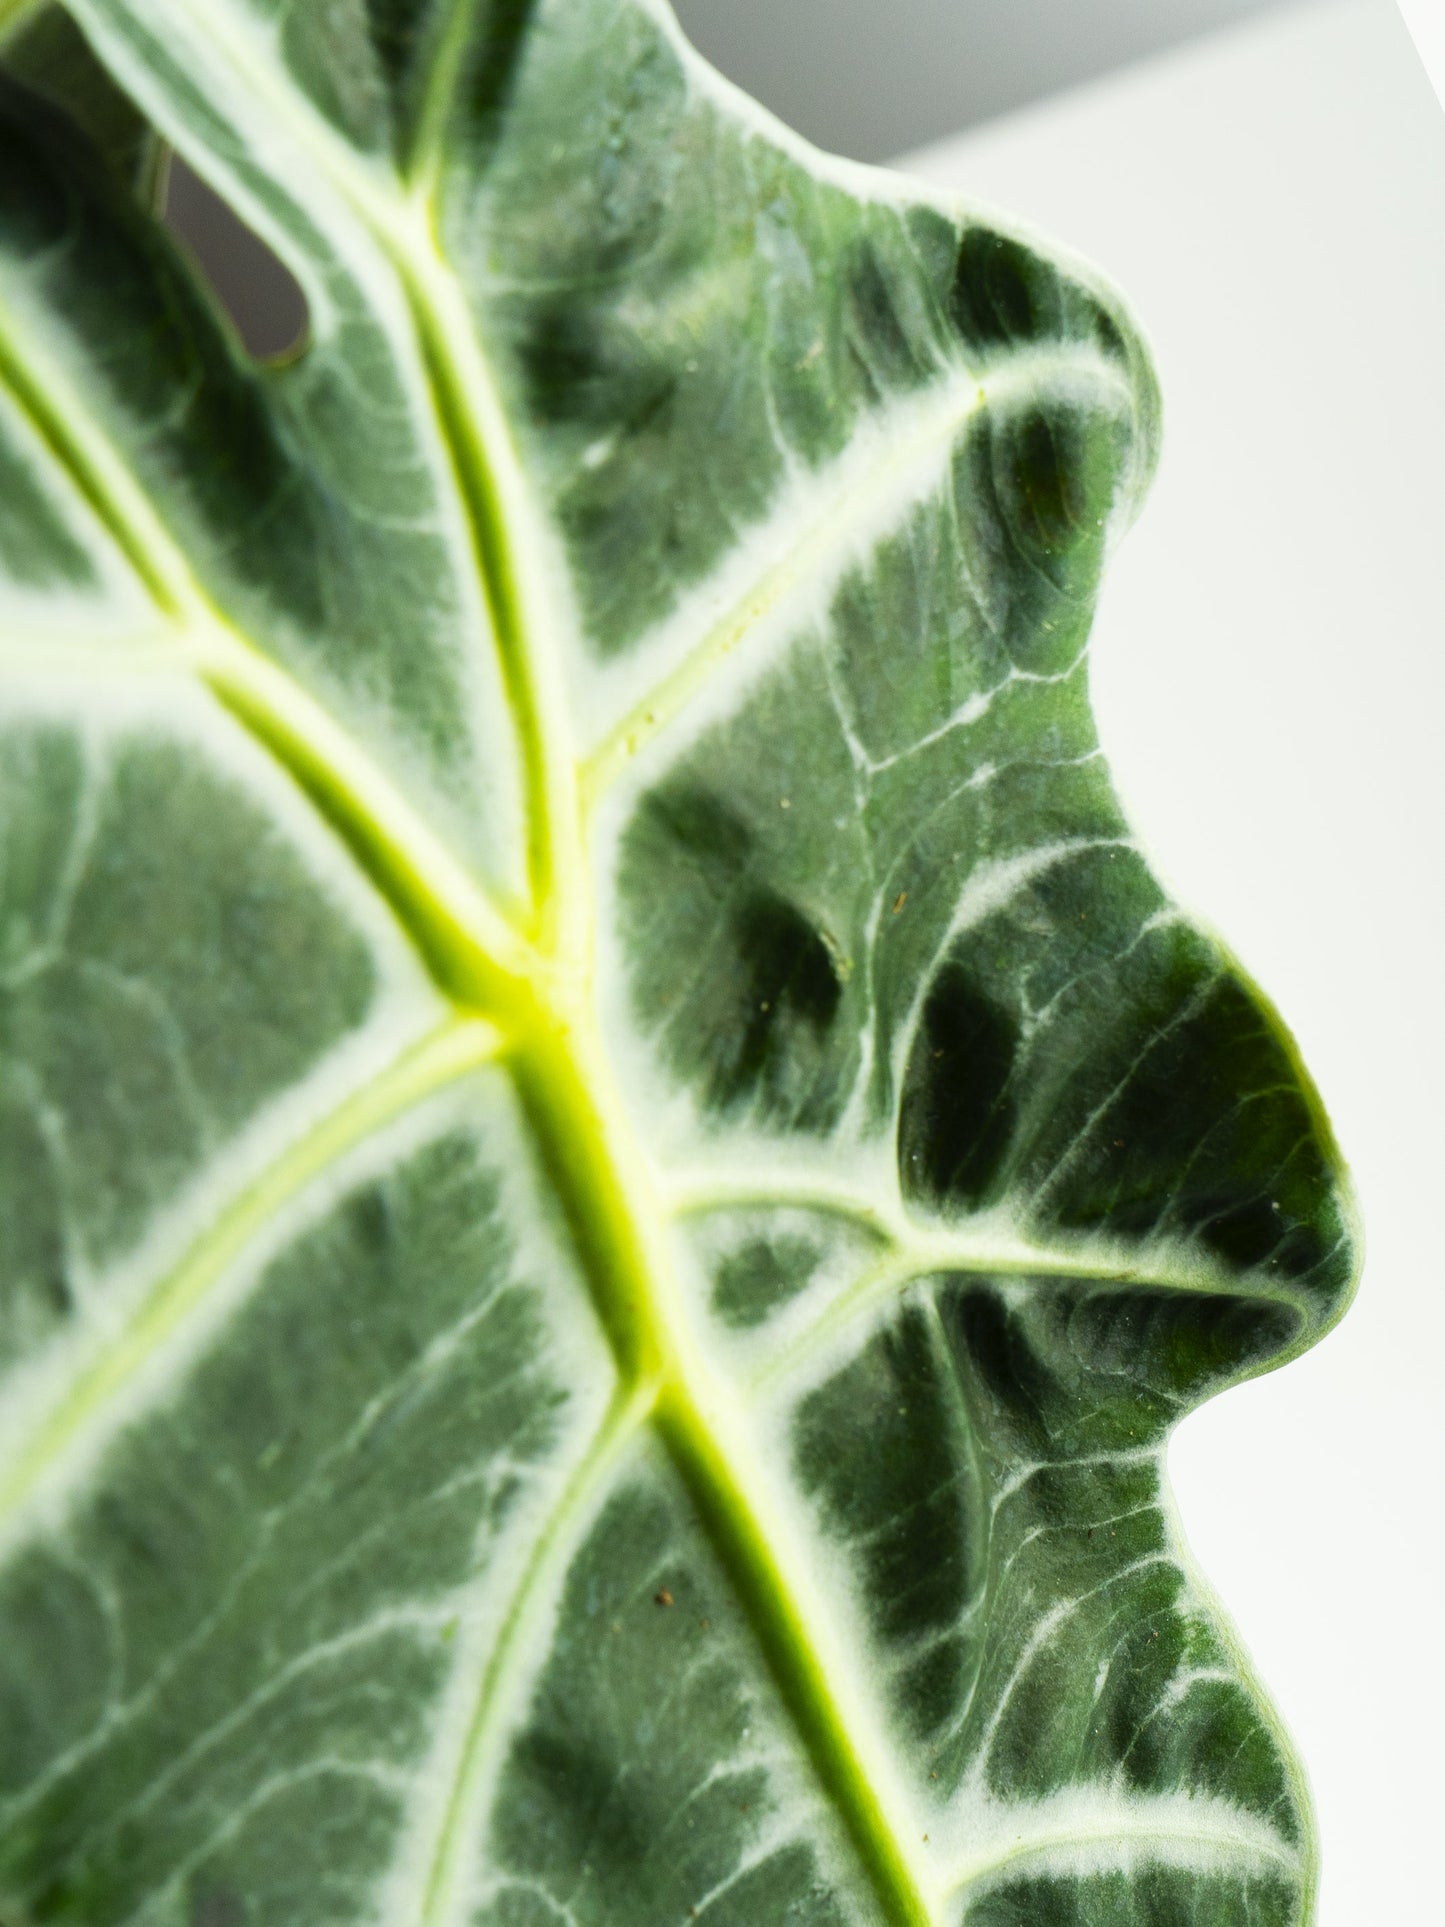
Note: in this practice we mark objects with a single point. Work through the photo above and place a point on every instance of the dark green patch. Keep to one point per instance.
(957, 1115)
(1006, 295)
(1154, 1897)
(789, 999)
(885, 1452)
(568, 375)
(752, 1281)
(495, 68)
(891, 354)
(1003, 293)
(1205, 1130)
(747, 1019)
(1070, 1365)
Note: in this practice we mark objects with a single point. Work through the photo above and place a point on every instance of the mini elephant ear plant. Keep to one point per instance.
(613, 1169)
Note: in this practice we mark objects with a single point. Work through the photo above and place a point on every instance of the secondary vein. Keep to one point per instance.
(892, 463)
(92, 1385)
(510, 567)
(1125, 1835)
(501, 1671)
(829, 526)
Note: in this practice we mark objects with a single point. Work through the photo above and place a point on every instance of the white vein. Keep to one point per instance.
(1106, 1828)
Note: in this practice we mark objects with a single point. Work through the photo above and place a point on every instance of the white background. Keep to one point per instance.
(1426, 21)
(1269, 680)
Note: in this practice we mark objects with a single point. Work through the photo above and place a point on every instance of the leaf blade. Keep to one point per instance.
(850, 928)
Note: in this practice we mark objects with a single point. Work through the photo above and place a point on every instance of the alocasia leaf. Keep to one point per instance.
(612, 1168)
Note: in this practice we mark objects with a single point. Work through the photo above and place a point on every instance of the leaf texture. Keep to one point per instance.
(613, 1169)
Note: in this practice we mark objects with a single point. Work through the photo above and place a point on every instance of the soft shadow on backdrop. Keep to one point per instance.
(872, 80)
(860, 78)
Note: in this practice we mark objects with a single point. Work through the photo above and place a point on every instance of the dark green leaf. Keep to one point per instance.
(613, 1170)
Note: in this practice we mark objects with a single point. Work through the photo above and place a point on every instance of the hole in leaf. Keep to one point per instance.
(254, 286)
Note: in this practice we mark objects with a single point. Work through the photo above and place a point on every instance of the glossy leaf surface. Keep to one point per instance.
(613, 1169)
